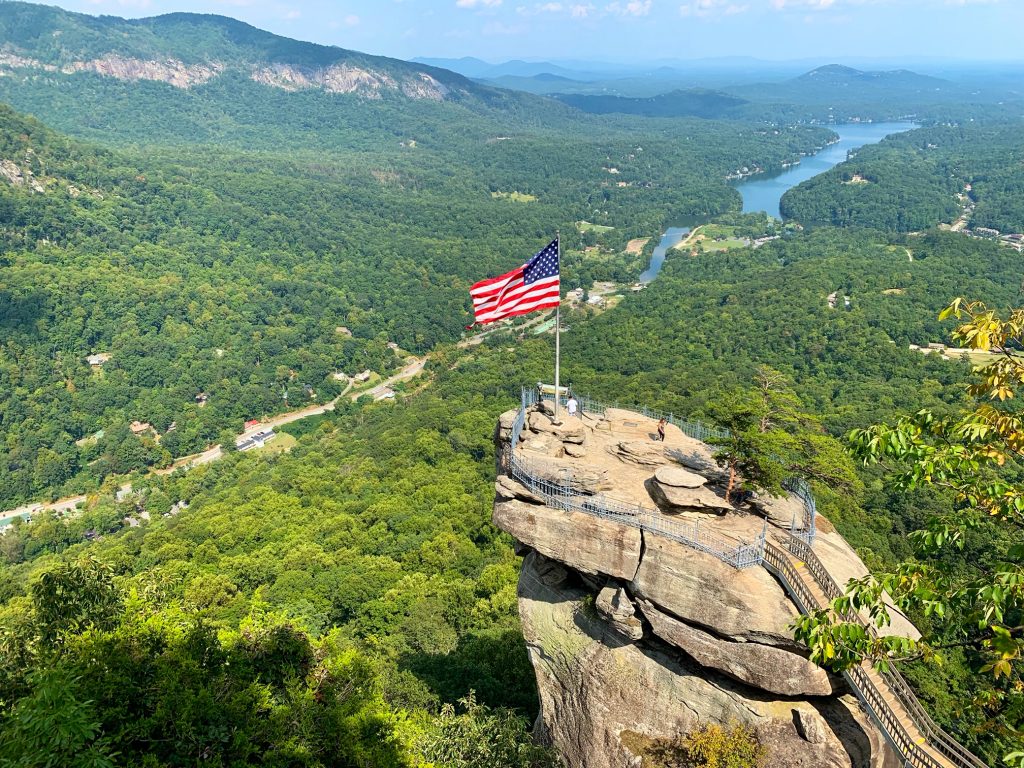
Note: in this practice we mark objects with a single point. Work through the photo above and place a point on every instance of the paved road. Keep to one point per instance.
(413, 368)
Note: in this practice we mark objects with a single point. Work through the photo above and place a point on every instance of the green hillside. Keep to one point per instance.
(923, 178)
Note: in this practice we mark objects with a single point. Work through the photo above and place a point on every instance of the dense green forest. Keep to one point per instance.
(373, 535)
(229, 275)
(241, 240)
(919, 179)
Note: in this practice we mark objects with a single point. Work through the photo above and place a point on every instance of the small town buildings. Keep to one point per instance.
(257, 440)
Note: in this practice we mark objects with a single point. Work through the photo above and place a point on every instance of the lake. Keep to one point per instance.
(672, 236)
(762, 193)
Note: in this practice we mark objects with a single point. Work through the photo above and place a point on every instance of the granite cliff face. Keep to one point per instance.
(636, 636)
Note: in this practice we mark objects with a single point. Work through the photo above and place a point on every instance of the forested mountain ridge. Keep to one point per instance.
(187, 49)
(227, 275)
(696, 102)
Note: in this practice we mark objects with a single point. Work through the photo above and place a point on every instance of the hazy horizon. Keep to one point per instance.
(629, 32)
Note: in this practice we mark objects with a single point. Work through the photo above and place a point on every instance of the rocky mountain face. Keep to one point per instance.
(636, 637)
(188, 50)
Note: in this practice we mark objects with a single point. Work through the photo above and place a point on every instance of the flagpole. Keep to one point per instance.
(558, 325)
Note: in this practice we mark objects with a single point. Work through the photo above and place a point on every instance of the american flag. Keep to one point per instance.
(528, 288)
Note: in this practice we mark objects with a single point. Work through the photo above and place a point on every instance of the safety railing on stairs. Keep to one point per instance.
(939, 749)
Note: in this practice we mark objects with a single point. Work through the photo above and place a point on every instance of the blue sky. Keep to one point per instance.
(626, 30)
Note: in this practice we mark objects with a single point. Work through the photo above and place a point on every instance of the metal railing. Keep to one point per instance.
(909, 746)
(564, 495)
(933, 748)
(804, 529)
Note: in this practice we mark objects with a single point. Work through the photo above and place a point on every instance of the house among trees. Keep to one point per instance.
(98, 359)
(364, 376)
(252, 423)
(257, 440)
(141, 427)
(201, 399)
(385, 394)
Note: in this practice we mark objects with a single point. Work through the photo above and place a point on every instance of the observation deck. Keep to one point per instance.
(602, 494)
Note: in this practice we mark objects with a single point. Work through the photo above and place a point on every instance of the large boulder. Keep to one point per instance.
(697, 456)
(746, 604)
(673, 499)
(677, 477)
(614, 605)
(578, 477)
(779, 510)
(584, 542)
(569, 430)
(641, 452)
(600, 696)
(507, 488)
(761, 666)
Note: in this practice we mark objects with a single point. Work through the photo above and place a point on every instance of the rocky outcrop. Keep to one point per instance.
(636, 636)
(597, 688)
(747, 605)
(761, 666)
(644, 454)
(349, 79)
(779, 510)
(170, 71)
(673, 499)
(676, 477)
(340, 78)
(614, 604)
(581, 541)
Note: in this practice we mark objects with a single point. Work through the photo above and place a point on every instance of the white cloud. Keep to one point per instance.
(477, 3)
(579, 11)
(819, 5)
(630, 8)
(351, 20)
(703, 9)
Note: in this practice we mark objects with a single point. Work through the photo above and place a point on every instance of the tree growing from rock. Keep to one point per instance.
(967, 579)
(772, 439)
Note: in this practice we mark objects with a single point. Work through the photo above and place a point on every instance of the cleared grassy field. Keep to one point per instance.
(586, 226)
(518, 197)
(280, 444)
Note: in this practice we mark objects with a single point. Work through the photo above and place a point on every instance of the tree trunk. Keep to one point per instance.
(732, 481)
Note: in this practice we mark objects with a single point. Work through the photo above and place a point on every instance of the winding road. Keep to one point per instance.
(413, 367)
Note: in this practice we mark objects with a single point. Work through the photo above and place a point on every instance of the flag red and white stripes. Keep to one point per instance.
(531, 287)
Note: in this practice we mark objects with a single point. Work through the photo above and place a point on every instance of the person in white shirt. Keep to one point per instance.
(571, 406)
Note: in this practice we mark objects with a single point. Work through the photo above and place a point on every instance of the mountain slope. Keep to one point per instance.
(694, 102)
(185, 50)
